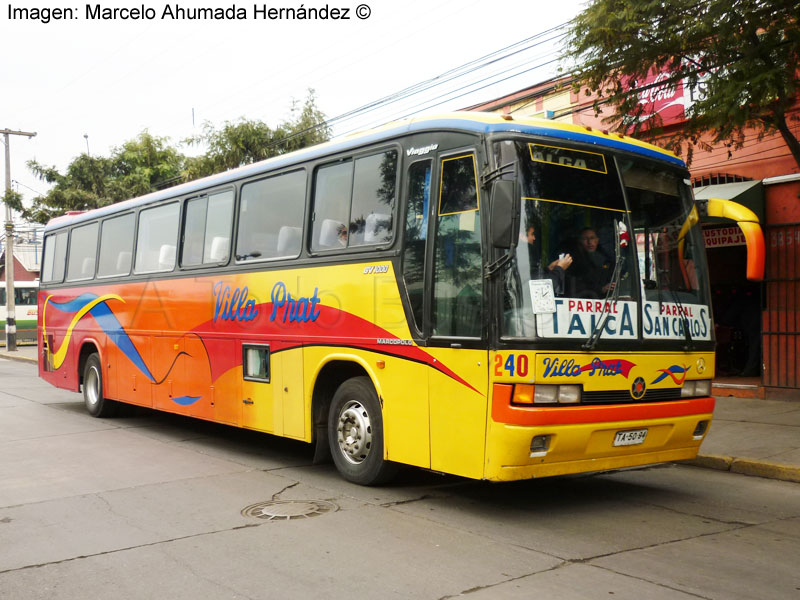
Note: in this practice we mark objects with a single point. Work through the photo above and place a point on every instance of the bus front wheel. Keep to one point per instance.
(355, 433)
(97, 404)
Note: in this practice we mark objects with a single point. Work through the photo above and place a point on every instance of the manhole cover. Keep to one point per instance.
(285, 510)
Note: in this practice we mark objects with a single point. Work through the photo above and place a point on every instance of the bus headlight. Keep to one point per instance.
(525, 394)
(693, 389)
(702, 387)
(569, 394)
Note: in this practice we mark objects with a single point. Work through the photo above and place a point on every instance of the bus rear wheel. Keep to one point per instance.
(96, 404)
(355, 433)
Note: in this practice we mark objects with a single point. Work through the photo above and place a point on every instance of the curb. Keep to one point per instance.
(747, 466)
(18, 357)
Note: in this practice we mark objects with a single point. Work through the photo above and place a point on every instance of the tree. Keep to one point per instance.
(247, 141)
(13, 200)
(746, 53)
(148, 163)
(139, 166)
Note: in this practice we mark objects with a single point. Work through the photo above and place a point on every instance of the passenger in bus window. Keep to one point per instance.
(593, 268)
(555, 271)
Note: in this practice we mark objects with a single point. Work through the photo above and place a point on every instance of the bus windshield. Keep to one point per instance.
(607, 249)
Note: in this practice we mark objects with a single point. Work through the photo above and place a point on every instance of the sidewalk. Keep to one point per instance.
(752, 436)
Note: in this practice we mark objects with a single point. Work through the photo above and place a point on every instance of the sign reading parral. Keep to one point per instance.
(670, 321)
(578, 318)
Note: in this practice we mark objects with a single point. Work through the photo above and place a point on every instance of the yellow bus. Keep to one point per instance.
(486, 296)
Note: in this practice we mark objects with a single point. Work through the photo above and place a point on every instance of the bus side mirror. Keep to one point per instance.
(504, 214)
(748, 223)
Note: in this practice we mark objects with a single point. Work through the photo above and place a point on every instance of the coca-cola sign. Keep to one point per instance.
(670, 100)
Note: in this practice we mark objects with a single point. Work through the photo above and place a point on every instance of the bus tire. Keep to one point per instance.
(96, 403)
(355, 433)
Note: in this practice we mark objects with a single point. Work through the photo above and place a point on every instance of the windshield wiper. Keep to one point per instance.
(489, 176)
(612, 294)
(504, 261)
(687, 335)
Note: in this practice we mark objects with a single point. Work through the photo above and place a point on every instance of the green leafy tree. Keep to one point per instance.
(246, 141)
(13, 200)
(138, 167)
(148, 163)
(744, 52)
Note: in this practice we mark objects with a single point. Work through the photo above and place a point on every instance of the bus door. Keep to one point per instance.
(458, 384)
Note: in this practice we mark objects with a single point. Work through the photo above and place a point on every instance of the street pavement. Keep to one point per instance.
(153, 505)
(751, 436)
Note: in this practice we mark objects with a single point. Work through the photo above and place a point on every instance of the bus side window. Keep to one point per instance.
(373, 199)
(354, 202)
(271, 217)
(82, 252)
(332, 192)
(206, 229)
(157, 236)
(116, 246)
(55, 256)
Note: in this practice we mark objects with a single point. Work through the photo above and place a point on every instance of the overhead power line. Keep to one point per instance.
(451, 75)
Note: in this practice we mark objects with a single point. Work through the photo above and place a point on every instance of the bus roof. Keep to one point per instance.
(472, 122)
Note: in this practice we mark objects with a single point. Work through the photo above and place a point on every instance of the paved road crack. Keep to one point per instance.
(127, 548)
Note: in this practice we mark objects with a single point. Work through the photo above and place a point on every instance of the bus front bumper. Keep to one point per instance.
(548, 441)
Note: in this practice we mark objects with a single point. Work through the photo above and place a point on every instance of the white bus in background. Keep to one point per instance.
(25, 309)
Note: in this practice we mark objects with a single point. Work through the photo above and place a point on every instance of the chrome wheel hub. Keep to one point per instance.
(92, 385)
(354, 432)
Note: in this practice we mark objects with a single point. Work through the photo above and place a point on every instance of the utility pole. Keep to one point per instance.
(11, 321)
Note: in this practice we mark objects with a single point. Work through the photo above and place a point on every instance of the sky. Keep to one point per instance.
(85, 83)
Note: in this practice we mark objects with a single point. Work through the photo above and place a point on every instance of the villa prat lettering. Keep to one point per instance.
(293, 310)
(233, 305)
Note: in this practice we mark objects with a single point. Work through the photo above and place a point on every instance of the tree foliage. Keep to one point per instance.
(745, 53)
(138, 167)
(148, 163)
(245, 141)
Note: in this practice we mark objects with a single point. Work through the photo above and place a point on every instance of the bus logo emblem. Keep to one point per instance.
(638, 388)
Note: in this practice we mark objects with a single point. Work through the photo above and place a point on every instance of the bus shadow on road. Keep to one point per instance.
(552, 494)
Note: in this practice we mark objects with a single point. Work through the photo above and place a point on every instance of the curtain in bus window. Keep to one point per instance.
(458, 291)
(82, 252)
(373, 199)
(116, 246)
(271, 217)
(419, 193)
